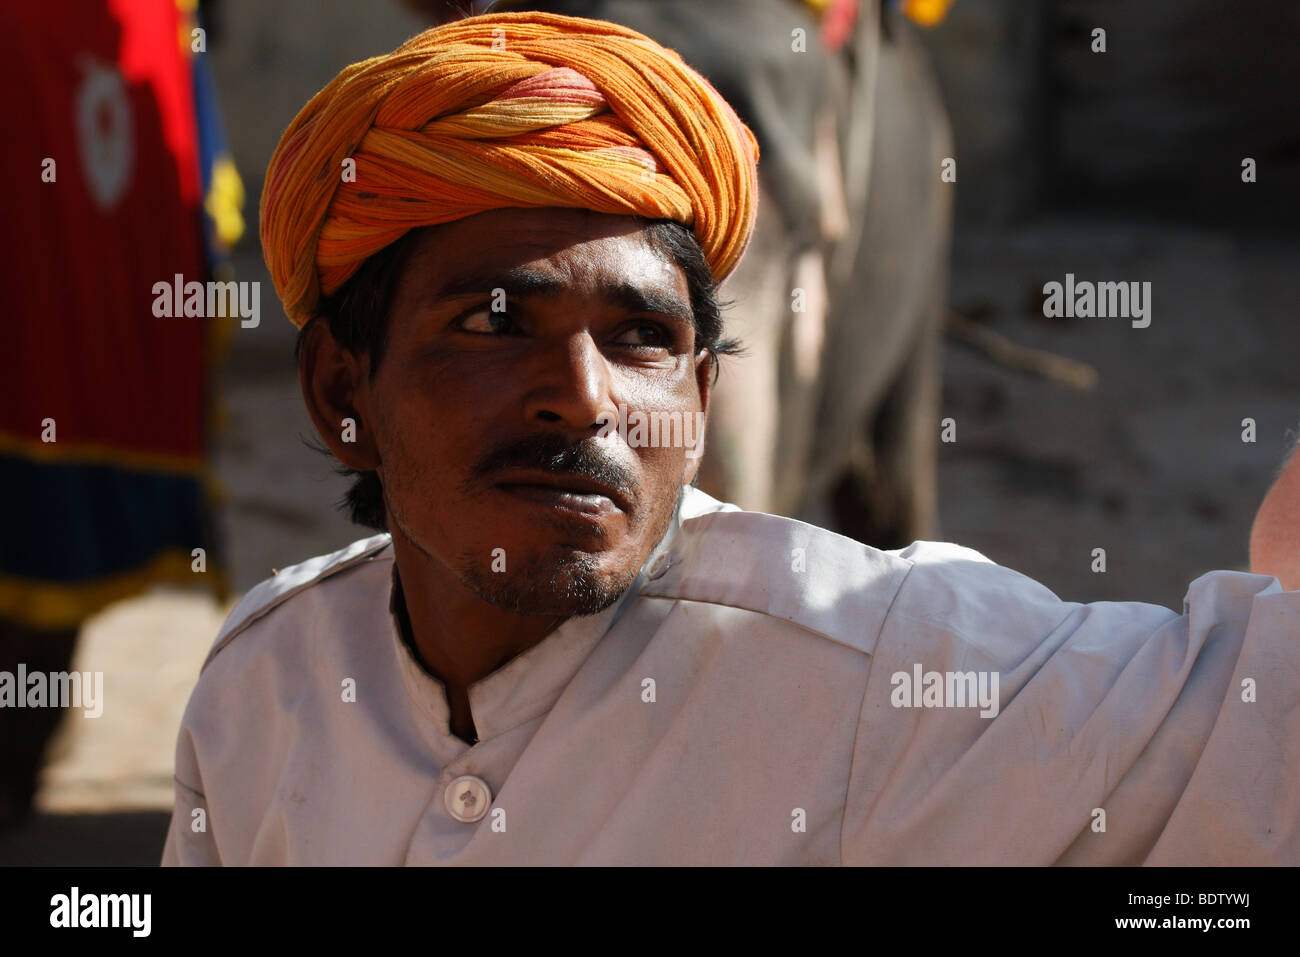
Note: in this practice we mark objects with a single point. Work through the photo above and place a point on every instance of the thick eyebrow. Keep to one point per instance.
(525, 283)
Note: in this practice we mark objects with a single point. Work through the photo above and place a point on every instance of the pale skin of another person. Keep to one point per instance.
(1275, 537)
(595, 317)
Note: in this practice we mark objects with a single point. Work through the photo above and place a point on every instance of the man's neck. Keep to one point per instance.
(458, 637)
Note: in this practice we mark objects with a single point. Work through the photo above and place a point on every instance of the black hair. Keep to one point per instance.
(358, 318)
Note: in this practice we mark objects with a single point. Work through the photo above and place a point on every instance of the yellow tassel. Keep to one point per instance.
(927, 13)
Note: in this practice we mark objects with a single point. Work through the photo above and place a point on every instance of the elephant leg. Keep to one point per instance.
(807, 305)
(887, 497)
(874, 463)
(740, 449)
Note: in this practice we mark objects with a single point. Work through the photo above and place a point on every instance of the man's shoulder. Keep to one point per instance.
(844, 590)
(928, 592)
(290, 586)
(782, 568)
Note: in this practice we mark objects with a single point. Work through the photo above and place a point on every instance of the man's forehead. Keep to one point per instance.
(567, 248)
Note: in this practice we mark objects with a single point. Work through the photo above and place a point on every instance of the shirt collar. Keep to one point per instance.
(529, 684)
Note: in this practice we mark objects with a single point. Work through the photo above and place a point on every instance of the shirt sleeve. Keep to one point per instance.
(189, 835)
(1106, 733)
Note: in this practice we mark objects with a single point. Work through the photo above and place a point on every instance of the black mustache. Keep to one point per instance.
(552, 453)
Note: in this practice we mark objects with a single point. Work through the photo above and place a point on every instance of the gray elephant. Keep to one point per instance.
(833, 416)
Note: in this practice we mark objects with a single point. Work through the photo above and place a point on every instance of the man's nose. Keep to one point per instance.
(572, 385)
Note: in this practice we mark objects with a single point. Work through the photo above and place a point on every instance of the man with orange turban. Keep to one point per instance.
(501, 244)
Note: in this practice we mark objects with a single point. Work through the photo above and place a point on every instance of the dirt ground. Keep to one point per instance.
(1150, 466)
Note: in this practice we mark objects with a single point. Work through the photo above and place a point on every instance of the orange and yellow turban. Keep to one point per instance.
(507, 109)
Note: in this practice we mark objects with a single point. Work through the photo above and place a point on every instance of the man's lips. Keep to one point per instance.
(579, 493)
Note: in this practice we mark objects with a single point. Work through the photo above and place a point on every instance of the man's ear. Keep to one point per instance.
(336, 388)
(706, 367)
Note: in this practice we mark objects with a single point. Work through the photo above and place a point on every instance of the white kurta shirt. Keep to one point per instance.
(747, 701)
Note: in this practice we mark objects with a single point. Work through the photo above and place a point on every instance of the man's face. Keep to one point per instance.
(515, 338)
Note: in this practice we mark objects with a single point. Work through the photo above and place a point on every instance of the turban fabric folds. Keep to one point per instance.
(518, 109)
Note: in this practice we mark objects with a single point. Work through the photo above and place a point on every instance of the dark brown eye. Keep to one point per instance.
(645, 335)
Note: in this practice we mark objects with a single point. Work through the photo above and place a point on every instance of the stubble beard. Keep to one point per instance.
(570, 586)
(568, 583)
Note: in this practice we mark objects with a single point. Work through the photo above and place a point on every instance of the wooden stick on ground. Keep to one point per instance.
(1036, 362)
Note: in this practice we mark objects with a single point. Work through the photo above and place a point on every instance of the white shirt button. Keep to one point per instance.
(659, 566)
(467, 798)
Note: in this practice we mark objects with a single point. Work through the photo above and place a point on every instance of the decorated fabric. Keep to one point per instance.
(105, 427)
